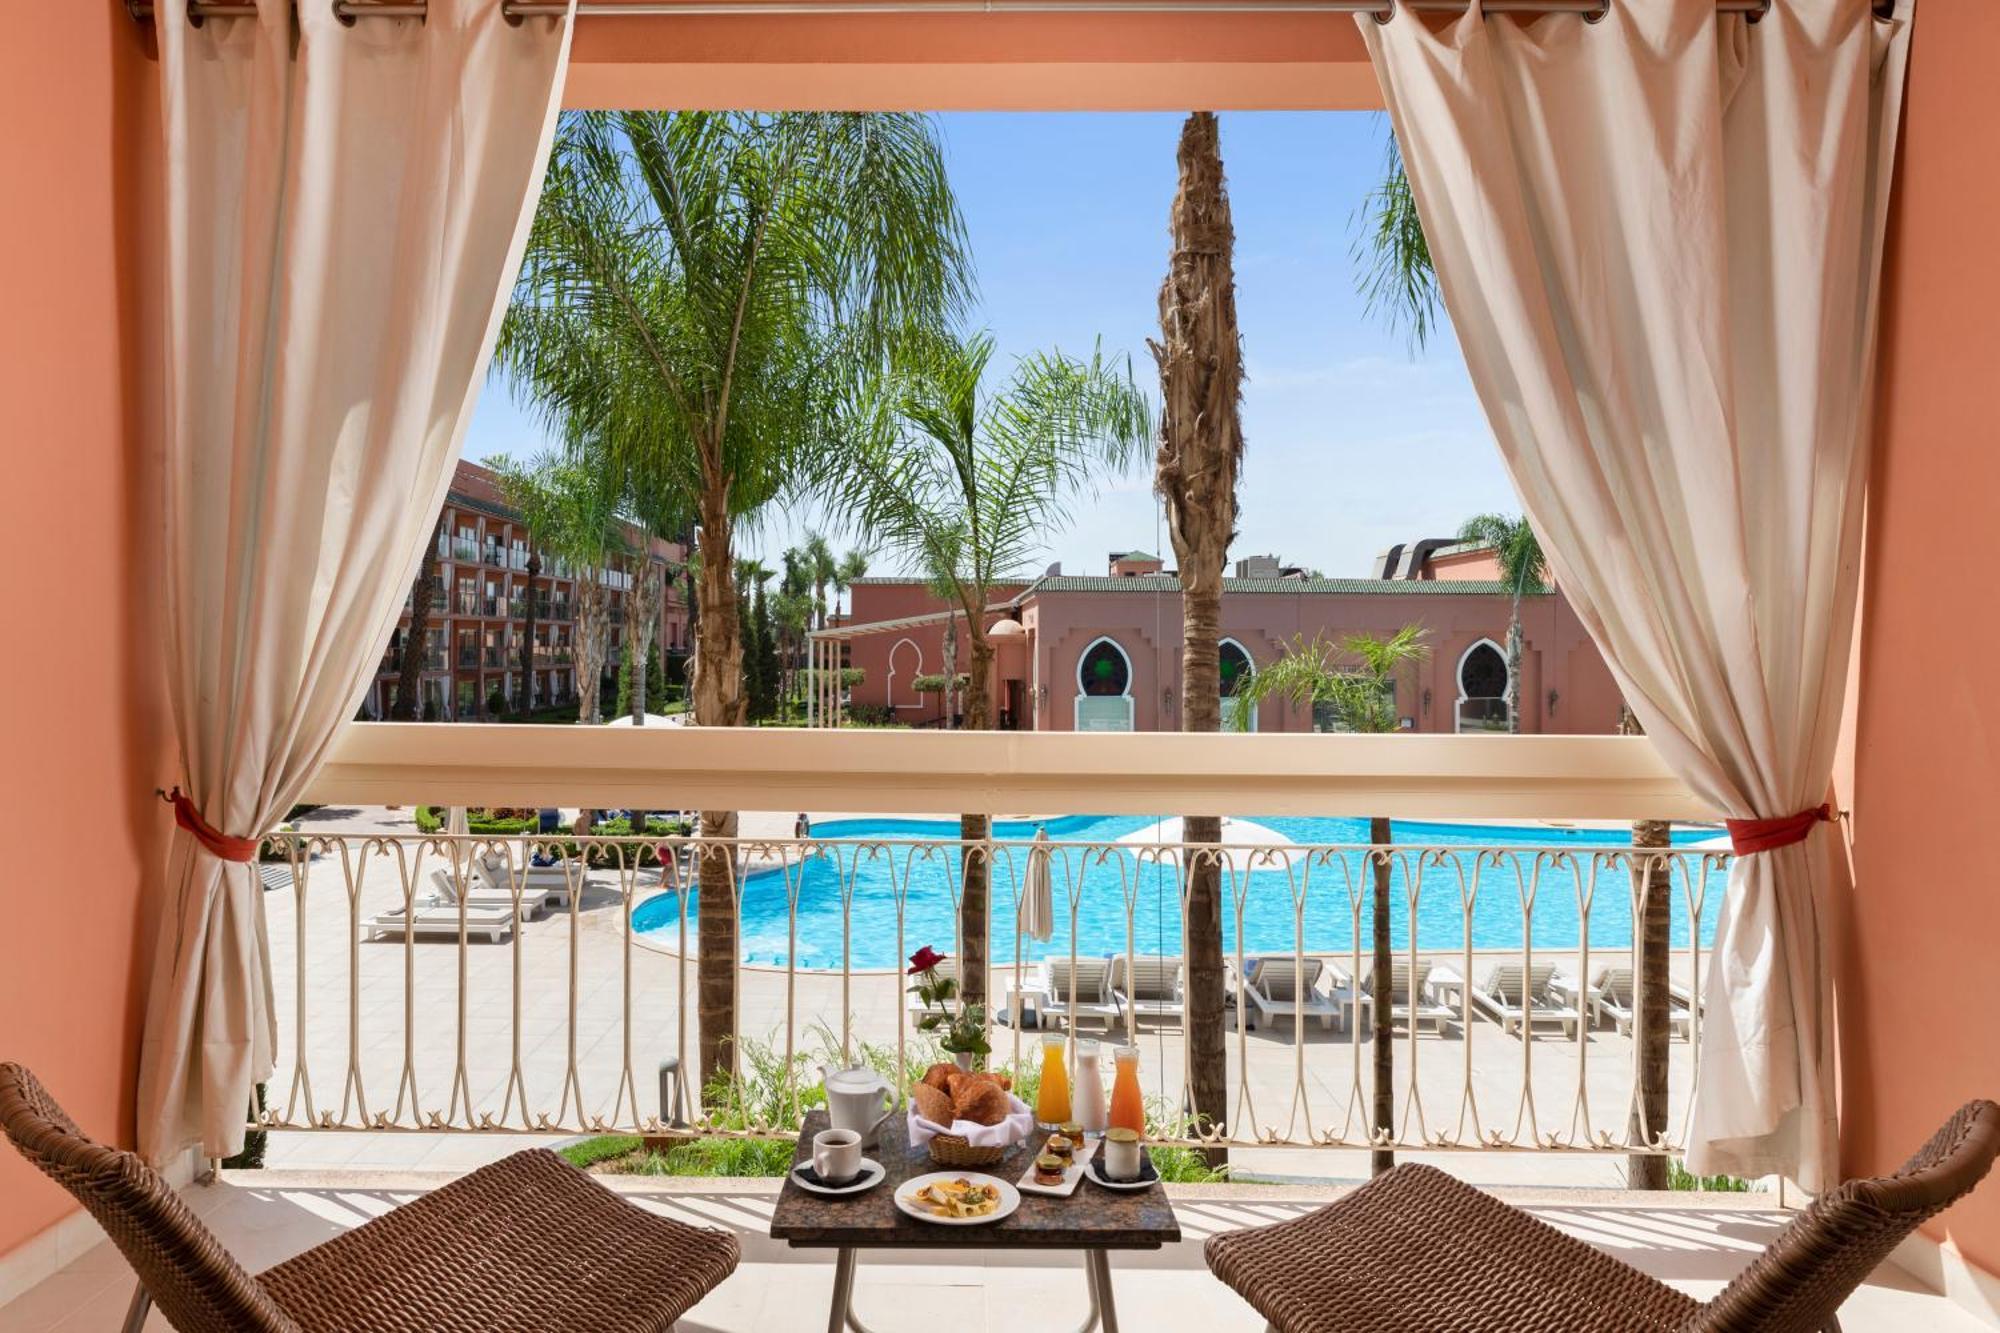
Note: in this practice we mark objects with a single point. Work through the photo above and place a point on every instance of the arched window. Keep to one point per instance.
(1482, 688)
(906, 667)
(1104, 688)
(1235, 667)
(1104, 671)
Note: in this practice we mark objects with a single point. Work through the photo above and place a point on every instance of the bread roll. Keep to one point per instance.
(938, 1076)
(982, 1102)
(932, 1105)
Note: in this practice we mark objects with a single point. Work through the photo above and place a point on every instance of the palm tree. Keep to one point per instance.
(967, 485)
(699, 288)
(571, 505)
(408, 705)
(1523, 571)
(1396, 278)
(1354, 683)
(850, 570)
(1200, 355)
(820, 567)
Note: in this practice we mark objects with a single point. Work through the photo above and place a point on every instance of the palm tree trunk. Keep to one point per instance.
(1380, 834)
(593, 623)
(526, 700)
(1652, 885)
(1514, 667)
(408, 704)
(1200, 357)
(718, 701)
(975, 868)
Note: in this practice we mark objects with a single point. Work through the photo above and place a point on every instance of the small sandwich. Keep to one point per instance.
(1059, 1147)
(1049, 1169)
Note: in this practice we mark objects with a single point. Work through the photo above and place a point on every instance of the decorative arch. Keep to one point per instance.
(916, 669)
(1104, 686)
(1237, 667)
(1481, 682)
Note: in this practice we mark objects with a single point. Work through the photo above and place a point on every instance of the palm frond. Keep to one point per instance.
(1394, 273)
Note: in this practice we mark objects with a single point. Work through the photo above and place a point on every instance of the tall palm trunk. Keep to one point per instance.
(975, 868)
(1201, 445)
(593, 628)
(526, 700)
(1652, 882)
(718, 701)
(1514, 666)
(647, 591)
(1381, 999)
(408, 704)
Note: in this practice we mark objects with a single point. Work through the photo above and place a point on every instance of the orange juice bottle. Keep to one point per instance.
(1128, 1105)
(1052, 1101)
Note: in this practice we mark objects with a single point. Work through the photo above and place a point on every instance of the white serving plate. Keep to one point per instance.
(1071, 1176)
(1010, 1198)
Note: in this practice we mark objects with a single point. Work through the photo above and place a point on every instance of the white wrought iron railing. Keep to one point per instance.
(451, 983)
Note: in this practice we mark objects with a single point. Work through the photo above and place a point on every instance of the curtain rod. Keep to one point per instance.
(142, 10)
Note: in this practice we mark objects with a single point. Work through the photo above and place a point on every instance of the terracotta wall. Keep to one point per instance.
(83, 717)
(1920, 996)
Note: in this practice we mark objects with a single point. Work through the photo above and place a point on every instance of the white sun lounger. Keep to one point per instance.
(1517, 1004)
(1074, 997)
(483, 892)
(1412, 1001)
(546, 885)
(433, 918)
(1614, 999)
(1277, 986)
(1149, 986)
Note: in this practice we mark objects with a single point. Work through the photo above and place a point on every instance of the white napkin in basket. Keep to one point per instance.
(1020, 1123)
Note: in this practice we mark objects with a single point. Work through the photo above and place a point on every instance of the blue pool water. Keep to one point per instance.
(851, 894)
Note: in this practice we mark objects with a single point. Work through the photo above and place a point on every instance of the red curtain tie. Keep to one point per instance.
(217, 843)
(1766, 835)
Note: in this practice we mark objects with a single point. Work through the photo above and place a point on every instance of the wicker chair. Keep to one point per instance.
(529, 1243)
(1416, 1250)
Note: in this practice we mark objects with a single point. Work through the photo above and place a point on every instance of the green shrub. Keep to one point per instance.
(1680, 1178)
(255, 1142)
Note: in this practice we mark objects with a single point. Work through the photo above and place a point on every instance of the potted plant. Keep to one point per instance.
(961, 1029)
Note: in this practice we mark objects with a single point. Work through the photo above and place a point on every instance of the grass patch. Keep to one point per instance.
(603, 1148)
(1680, 1178)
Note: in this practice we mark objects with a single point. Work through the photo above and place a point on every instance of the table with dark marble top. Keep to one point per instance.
(1092, 1218)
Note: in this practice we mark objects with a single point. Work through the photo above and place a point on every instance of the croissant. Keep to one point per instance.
(932, 1105)
(983, 1102)
(938, 1076)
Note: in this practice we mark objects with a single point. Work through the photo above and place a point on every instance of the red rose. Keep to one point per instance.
(924, 959)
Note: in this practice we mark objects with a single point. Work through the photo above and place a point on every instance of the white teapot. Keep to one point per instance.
(858, 1099)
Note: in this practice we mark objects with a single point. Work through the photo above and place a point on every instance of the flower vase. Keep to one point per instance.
(964, 1059)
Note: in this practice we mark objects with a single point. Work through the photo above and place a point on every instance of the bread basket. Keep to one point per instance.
(952, 1150)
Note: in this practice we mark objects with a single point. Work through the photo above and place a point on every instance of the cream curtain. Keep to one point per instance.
(1658, 237)
(345, 212)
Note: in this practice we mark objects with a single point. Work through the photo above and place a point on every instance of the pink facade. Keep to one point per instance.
(1105, 653)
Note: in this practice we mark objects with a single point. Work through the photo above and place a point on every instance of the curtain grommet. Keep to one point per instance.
(1384, 14)
(1757, 15)
(1603, 9)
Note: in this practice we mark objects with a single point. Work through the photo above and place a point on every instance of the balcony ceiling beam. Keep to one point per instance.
(1004, 773)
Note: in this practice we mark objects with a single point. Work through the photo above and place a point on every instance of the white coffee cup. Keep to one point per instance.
(837, 1155)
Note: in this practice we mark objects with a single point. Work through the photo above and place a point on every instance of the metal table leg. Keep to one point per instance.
(1104, 1310)
(1096, 1278)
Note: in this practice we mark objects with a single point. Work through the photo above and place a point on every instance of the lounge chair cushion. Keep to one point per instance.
(1415, 1251)
(528, 1243)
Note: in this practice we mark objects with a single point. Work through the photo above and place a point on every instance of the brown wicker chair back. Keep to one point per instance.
(1798, 1283)
(190, 1276)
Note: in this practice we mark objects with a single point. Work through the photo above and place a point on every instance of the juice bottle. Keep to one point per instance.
(1128, 1105)
(1052, 1101)
(1089, 1098)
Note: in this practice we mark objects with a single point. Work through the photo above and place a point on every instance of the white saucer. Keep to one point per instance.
(871, 1176)
(1148, 1177)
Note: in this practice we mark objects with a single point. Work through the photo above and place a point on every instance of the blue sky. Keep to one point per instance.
(1352, 441)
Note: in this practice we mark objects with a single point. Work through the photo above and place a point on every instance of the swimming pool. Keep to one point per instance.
(1493, 877)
